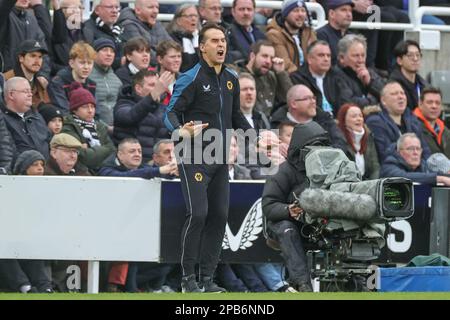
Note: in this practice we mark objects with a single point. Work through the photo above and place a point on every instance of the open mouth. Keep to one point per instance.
(221, 53)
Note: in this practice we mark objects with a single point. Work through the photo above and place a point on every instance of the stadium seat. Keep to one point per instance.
(441, 79)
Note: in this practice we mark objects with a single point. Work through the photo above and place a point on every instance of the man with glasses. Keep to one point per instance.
(409, 57)
(64, 150)
(142, 21)
(26, 126)
(102, 24)
(393, 120)
(408, 162)
(302, 108)
(211, 11)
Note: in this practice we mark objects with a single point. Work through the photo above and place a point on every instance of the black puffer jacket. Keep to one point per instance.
(140, 118)
(6, 145)
(291, 177)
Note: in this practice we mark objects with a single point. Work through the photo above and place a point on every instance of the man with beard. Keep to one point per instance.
(207, 93)
(272, 81)
(28, 64)
(291, 34)
(17, 24)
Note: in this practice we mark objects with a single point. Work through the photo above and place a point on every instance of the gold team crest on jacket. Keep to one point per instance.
(198, 177)
(230, 85)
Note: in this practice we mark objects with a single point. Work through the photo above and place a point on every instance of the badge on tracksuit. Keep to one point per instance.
(198, 177)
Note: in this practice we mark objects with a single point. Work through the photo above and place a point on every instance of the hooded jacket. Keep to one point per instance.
(140, 118)
(285, 46)
(291, 177)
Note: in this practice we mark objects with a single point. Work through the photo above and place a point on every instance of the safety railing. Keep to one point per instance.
(415, 14)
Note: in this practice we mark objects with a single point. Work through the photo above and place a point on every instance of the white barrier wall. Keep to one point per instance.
(109, 221)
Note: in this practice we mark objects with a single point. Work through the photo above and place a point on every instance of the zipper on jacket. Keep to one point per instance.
(221, 104)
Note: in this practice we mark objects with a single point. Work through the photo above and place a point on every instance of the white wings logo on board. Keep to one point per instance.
(248, 232)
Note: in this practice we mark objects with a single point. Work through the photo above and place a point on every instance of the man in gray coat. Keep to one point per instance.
(6, 149)
(142, 22)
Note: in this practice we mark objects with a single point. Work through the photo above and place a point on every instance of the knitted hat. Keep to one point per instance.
(101, 43)
(79, 96)
(438, 162)
(49, 112)
(25, 160)
(65, 140)
(289, 5)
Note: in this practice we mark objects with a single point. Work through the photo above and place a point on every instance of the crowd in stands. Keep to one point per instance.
(88, 98)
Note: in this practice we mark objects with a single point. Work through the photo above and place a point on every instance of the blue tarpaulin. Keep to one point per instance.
(415, 279)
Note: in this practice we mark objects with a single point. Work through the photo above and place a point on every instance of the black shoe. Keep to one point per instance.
(210, 286)
(304, 287)
(189, 284)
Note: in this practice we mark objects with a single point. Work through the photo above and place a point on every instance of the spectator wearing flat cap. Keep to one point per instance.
(28, 64)
(52, 116)
(27, 276)
(340, 17)
(108, 84)
(64, 151)
(291, 33)
(93, 134)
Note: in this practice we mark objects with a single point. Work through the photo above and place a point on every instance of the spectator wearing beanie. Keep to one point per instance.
(291, 33)
(28, 276)
(81, 62)
(30, 162)
(93, 135)
(52, 116)
(108, 84)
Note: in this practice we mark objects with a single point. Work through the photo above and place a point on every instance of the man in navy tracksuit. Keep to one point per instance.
(205, 96)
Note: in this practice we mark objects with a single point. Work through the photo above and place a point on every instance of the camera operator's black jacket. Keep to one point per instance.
(278, 191)
(291, 177)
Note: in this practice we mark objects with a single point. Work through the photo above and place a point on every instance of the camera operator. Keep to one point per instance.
(279, 207)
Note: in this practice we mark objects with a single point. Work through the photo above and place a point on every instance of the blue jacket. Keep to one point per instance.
(395, 166)
(240, 42)
(386, 132)
(113, 168)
